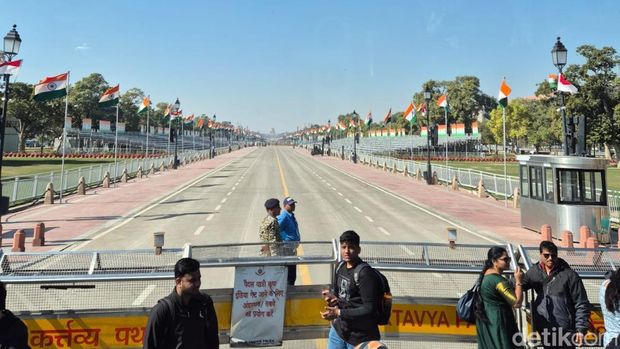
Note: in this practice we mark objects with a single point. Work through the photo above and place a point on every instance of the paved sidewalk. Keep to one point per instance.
(482, 215)
(78, 216)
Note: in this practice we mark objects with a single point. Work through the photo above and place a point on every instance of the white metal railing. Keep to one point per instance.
(24, 189)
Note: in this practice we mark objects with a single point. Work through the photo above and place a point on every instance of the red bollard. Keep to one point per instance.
(592, 242)
(545, 233)
(39, 235)
(567, 239)
(19, 241)
(584, 234)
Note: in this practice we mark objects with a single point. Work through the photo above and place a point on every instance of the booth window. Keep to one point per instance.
(549, 187)
(525, 188)
(569, 186)
(594, 193)
(536, 182)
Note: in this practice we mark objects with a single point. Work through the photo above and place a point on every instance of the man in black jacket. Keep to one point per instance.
(353, 300)
(186, 318)
(561, 309)
(13, 332)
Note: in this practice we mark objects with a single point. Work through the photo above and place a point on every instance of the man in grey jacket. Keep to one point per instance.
(561, 309)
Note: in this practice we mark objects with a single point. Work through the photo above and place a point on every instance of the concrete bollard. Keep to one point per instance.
(81, 188)
(435, 178)
(385, 166)
(49, 194)
(162, 167)
(455, 183)
(482, 193)
(546, 233)
(19, 241)
(592, 242)
(567, 239)
(394, 169)
(106, 180)
(584, 234)
(39, 235)
(152, 170)
(516, 198)
(418, 174)
(124, 176)
(171, 163)
(139, 173)
(406, 171)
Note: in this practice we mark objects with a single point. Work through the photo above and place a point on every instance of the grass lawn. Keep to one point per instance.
(512, 168)
(12, 167)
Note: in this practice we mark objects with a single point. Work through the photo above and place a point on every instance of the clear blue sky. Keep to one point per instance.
(284, 64)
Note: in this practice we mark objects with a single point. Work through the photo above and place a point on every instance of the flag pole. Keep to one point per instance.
(64, 137)
(147, 127)
(505, 178)
(116, 141)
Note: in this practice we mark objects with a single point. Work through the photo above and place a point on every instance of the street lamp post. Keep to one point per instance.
(355, 116)
(175, 110)
(12, 42)
(427, 98)
(559, 54)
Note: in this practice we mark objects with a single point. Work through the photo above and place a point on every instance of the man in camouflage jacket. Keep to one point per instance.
(269, 231)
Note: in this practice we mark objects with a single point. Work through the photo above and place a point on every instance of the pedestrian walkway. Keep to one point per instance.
(483, 215)
(78, 216)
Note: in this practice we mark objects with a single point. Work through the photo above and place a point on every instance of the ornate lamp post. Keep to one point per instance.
(427, 98)
(355, 117)
(559, 55)
(12, 42)
(175, 110)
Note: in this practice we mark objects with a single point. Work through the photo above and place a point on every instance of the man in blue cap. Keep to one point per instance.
(289, 231)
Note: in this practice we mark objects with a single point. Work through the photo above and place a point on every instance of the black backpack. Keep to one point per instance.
(384, 303)
(466, 306)
(204, 308)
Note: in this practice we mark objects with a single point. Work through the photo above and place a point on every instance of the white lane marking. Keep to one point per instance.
(415, 205)
(145, 293)
(339, 193)
(328, 184)
(404, 248)
(129, 219)
(223, 200)
(369, 219)
(233, 188)
(217, 208)
(357, 209)
(334, 189)
(437, 275)
(210, 217)
(199, 230)
(348, 201)
(230, 192)
(384, 231)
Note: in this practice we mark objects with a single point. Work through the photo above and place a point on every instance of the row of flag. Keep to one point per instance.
(57, 86)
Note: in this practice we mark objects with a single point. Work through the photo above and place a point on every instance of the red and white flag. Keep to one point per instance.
(565, 85)
(10, 68)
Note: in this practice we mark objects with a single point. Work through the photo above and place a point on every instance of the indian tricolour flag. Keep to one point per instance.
(552, 79)
(443, 101)
(110, 97)
(51, 87)
(504, 91)
(145, 104)
(410, 113)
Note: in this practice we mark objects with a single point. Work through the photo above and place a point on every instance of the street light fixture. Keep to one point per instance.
(355, 117)
(12, 43)
(559, 55)
(427, 98)
(175, 111)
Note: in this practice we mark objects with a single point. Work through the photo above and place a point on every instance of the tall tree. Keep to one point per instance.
(84, 99)
(128, 112)
(598, 94)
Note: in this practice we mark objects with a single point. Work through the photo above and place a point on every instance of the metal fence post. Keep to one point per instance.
(15, 185)
(35, 186)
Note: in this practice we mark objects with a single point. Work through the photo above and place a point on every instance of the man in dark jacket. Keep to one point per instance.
(13, 332)
(186, 318)
(352, 302)
(561, 309)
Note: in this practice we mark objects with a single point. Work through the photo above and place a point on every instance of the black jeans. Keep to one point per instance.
(292, 274)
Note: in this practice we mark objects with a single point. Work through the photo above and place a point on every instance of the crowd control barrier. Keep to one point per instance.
(97, 299)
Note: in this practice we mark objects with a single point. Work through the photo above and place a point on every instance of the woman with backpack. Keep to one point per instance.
(495, 320)
(609, 297)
